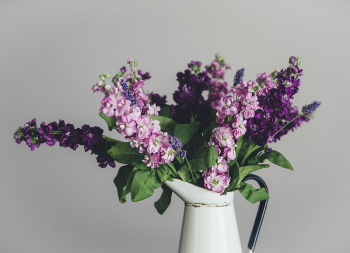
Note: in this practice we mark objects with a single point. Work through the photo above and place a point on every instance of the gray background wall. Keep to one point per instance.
(56, 200)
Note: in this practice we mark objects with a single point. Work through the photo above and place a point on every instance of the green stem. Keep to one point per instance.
(249, 151)
(287, 124)
(190, 169)
(229, 118)
(57, 132)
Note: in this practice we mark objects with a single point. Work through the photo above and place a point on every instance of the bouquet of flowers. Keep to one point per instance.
(212, 142)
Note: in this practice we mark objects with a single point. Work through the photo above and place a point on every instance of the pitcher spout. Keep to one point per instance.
(192, 194)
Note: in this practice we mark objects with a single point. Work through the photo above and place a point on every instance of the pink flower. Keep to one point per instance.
(224, 136)
(152, 160)
(152, 109)
(229, 153)
(249, 112)
(154, 143)
(133, 115)
(169, 155)
(126, 128)
(109, 104)
(97, 87)
(138, 144)
(143, 127)
(216, 182)
(155, 127)
(239, 126)
(221, 165)
(123, 106)
(250, 99)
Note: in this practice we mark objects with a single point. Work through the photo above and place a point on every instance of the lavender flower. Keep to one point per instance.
(177, 146)
(127, 92)
(309, 109)
(238, 77)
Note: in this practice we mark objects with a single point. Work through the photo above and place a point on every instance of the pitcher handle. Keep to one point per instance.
(259, 216)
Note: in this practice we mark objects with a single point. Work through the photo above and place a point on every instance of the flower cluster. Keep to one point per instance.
(218, 87)
(189, 99)
(215, 180)
(249, 114)
(131, 107)
(275, 106)
(216, 177)
(66, 135)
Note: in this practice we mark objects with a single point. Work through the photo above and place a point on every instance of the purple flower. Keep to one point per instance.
(286, 124)
(189, 99)
(158, 100)
(238, 77)
(46, 133)
(127, 92)
(105, 160)
(177, 146)
(70, 137)
(91, 138)
(29, 135)
(123, 69)
(309, 109)
(144, 76)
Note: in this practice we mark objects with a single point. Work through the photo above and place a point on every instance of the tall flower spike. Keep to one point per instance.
(238, 77)
(309, 109)
(177, 146)
(127, 93)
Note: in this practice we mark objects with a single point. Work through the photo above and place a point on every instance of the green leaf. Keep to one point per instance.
(186, 131)
(239, 144)
(246, 170)
(204, 158)
(121, 180)
(164, 201)
(242, 148)
(213, 124)
(128, 186)
(166, 124)
(122, 152)
(278, 159)
(144, 184)
(170, 168)
(140, 165)
(184, 173)
(251, 194)
(164, 172)
(111, 122)
(234, 174)
(165, 112)
(274, 157)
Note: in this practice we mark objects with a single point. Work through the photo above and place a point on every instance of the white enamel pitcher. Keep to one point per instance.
(209, 223)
